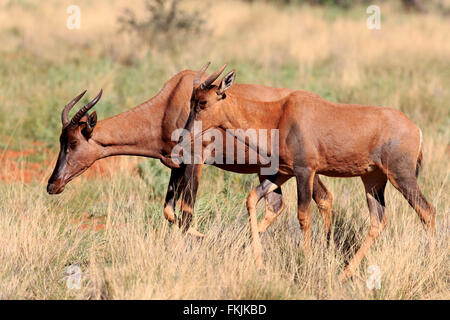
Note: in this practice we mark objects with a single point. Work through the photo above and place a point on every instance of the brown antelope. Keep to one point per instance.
(320, 137)
(146, 131)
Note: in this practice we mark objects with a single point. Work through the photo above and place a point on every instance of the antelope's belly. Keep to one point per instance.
(347, 168)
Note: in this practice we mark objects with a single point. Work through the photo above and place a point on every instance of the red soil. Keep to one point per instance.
(90, 223)
(13, 170)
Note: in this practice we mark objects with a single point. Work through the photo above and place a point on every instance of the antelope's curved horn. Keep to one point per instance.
(65, 112)
(199, 74)
(208, 82)
(77, 117)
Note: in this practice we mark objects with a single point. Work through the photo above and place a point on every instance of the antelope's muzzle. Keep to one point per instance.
(55, 187)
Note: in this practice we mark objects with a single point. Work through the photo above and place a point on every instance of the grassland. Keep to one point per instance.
(109, 221)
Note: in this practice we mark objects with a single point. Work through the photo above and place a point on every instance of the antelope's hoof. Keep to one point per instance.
(263, 225)
(169, 214)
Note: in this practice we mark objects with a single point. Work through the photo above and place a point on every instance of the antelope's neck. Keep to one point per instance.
(146, 129)
(136, 132)
(133, 132)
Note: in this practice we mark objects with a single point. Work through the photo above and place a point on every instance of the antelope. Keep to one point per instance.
(321, 137)
(146, 131)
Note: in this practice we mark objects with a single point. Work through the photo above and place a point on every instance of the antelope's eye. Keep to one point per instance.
(73, 144)
(202, 103)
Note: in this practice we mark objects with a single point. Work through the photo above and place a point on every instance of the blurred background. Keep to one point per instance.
(130, 49)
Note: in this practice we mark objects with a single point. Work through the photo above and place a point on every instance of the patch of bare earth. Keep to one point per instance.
(15, 167)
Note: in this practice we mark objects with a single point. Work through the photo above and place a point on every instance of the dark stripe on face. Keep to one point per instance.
(60, 164)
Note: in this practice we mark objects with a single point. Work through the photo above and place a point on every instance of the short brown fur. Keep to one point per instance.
(320, 137)
(146, 131)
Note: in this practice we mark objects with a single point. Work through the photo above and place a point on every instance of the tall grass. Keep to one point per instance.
(111, 224)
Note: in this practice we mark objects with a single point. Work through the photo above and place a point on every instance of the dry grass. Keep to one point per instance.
(135, 253)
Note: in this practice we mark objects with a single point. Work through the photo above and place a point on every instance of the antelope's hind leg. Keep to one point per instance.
(305, 179)
(405, 181)
(265, 187)
(374, 184)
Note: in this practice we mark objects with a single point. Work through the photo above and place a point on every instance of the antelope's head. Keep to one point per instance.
(77, 150)
(206, 96)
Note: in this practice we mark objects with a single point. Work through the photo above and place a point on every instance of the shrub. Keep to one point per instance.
(165, 24)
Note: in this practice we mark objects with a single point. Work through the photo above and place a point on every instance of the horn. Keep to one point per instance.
(199, 74)
(77, 117)
(65, 112)
(208, 82)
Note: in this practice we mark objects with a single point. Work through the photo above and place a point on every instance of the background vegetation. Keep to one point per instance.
(109, 221)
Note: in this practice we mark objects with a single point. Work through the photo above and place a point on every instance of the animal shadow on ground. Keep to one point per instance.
(347, 235)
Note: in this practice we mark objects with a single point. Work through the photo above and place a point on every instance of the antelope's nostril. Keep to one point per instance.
(50, 188)
(57, 188)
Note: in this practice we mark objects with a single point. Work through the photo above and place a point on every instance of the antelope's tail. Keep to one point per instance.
(419, 163)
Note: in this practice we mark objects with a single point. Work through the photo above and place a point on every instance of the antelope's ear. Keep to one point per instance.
(90, 124)
(92, 120)
(226, 82)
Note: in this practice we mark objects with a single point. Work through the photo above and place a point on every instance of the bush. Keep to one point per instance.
(165, 24)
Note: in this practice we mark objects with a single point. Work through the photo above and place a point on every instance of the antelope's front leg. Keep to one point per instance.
(191, 178)
(172, 194)
(274, 207)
